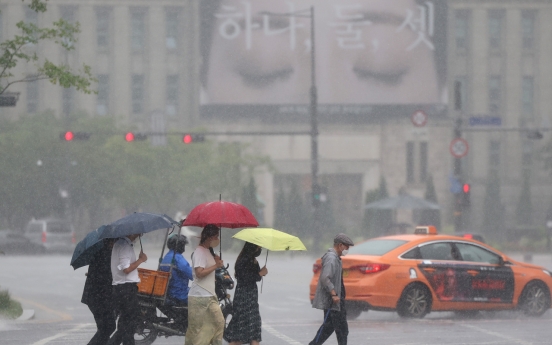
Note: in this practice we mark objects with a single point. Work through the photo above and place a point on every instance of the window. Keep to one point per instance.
(32, 97)
(171, 28)
(496, 18)
(410, 162)
(423, 161)
(103, 15)
(528, 18)
(137, 94)
(376, 247)
(472, 253)
(495, 93)
(461, 32)
(437, 251)
(413, 254)
(172, 95)
(463, 80)
(494, 156)
(102, 99)
(137, 31)
(1, 27)
(68, 14)
(67, 99)
(527, 99)
(31, 17)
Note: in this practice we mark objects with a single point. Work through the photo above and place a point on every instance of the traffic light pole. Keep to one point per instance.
(458, 205)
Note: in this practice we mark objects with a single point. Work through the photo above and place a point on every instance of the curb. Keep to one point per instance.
(27, 315)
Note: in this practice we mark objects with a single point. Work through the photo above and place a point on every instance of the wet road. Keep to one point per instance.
(53, 289)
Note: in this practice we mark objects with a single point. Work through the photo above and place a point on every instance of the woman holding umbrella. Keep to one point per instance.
(245, 326)
(205, 322)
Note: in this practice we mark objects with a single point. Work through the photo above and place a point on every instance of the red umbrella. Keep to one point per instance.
(224, 214)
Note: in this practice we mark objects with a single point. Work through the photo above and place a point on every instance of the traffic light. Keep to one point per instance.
(130, 137)
(466, 190)
(319, 195)
(70, 136)
(193, 138)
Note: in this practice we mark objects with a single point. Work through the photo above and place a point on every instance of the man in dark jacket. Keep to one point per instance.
(97, 293)
(330, 293)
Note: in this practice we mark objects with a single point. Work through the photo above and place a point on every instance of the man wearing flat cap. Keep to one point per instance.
(330, 293)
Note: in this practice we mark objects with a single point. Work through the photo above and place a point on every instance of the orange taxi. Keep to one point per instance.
(423, 272)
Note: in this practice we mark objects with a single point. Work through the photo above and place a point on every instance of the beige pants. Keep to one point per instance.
(205, 321)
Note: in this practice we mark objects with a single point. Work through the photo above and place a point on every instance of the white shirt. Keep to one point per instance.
(203, 287)
(122, 256)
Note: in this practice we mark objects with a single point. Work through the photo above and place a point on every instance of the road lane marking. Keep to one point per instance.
(512, 339)
(279, 335)
(62, 316)
(60, 335)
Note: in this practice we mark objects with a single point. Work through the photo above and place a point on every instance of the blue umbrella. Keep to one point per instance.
(137, 223)
(87, 248)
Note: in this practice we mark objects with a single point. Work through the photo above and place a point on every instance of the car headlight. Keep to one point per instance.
(547, 273)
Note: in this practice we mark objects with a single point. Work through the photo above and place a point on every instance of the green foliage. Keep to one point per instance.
(21, 49)
(249, 197)
(524, 208)
(106, 171)
(4, 299)
(8, 306)
(431, 217)
(378, 220)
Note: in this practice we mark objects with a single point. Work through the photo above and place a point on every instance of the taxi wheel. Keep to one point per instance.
(535, 299)
(415, 302)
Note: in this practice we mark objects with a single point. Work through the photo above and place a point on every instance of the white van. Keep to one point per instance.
(53, 234)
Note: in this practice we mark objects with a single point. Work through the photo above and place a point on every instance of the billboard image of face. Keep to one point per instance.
(367, 52)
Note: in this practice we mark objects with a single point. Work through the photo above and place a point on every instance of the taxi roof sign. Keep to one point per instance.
(425, 230)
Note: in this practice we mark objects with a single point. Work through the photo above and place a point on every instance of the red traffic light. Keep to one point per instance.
(187, 139)
(68, 136)
(129, 136)
(466, 188)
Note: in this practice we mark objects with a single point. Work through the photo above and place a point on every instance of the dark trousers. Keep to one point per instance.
(125, 297)
(335, 321)
(104, 315)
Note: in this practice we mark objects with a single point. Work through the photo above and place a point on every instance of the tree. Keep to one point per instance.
(249, 197)
(382, 218)
(296, 212)
(368, 219)
(430, 217)
(18, 49)
(524, 208)
(281, 220)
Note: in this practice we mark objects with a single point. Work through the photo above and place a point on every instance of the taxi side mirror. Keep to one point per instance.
(501, 261)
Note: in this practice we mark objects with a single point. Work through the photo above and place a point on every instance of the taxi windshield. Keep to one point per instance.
(376, 247)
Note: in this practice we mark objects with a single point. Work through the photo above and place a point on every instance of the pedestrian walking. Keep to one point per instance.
(205, 319)
(330, 293)
(125, 288)
(245, 326)
(97, 293)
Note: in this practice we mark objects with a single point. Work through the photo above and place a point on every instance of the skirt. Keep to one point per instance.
(245, 325)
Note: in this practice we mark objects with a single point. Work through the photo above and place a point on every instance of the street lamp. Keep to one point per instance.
(309, 13)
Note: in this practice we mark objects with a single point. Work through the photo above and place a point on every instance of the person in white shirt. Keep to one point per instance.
(125, 288)
(205, 319)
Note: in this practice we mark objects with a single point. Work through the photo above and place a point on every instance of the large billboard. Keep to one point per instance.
(374, 58)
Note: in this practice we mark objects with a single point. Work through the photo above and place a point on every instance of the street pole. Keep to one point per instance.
(315, 188)
(459, 208)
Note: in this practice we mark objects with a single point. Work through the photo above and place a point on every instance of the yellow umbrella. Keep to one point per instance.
(270, 239)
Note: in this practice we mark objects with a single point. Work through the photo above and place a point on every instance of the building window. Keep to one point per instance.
(494, 156)
(103, 16)
(171, 28)
(31, 17)
(463, 80)
(495, 93)
(527, 99)
(68, 14)
(410, 162)
(137, 31)
(462, 22)
(138, 94)
(102, 99)
(32, 97)
(67, 101)
(423, 161)
(528, 19)
(496, 18)
(1, 27)
(172, 95)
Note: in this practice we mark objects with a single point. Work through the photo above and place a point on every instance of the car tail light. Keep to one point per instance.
(73, 239)
(468, 236)
(43, 236)
(316, 268)
(372, 268)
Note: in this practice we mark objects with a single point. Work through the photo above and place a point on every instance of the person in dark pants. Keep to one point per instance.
(330, 294)
(97, 293)
(125, 288)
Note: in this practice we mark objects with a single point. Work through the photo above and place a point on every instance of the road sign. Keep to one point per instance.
(459, 147)
(485, 121)
(419, 118)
